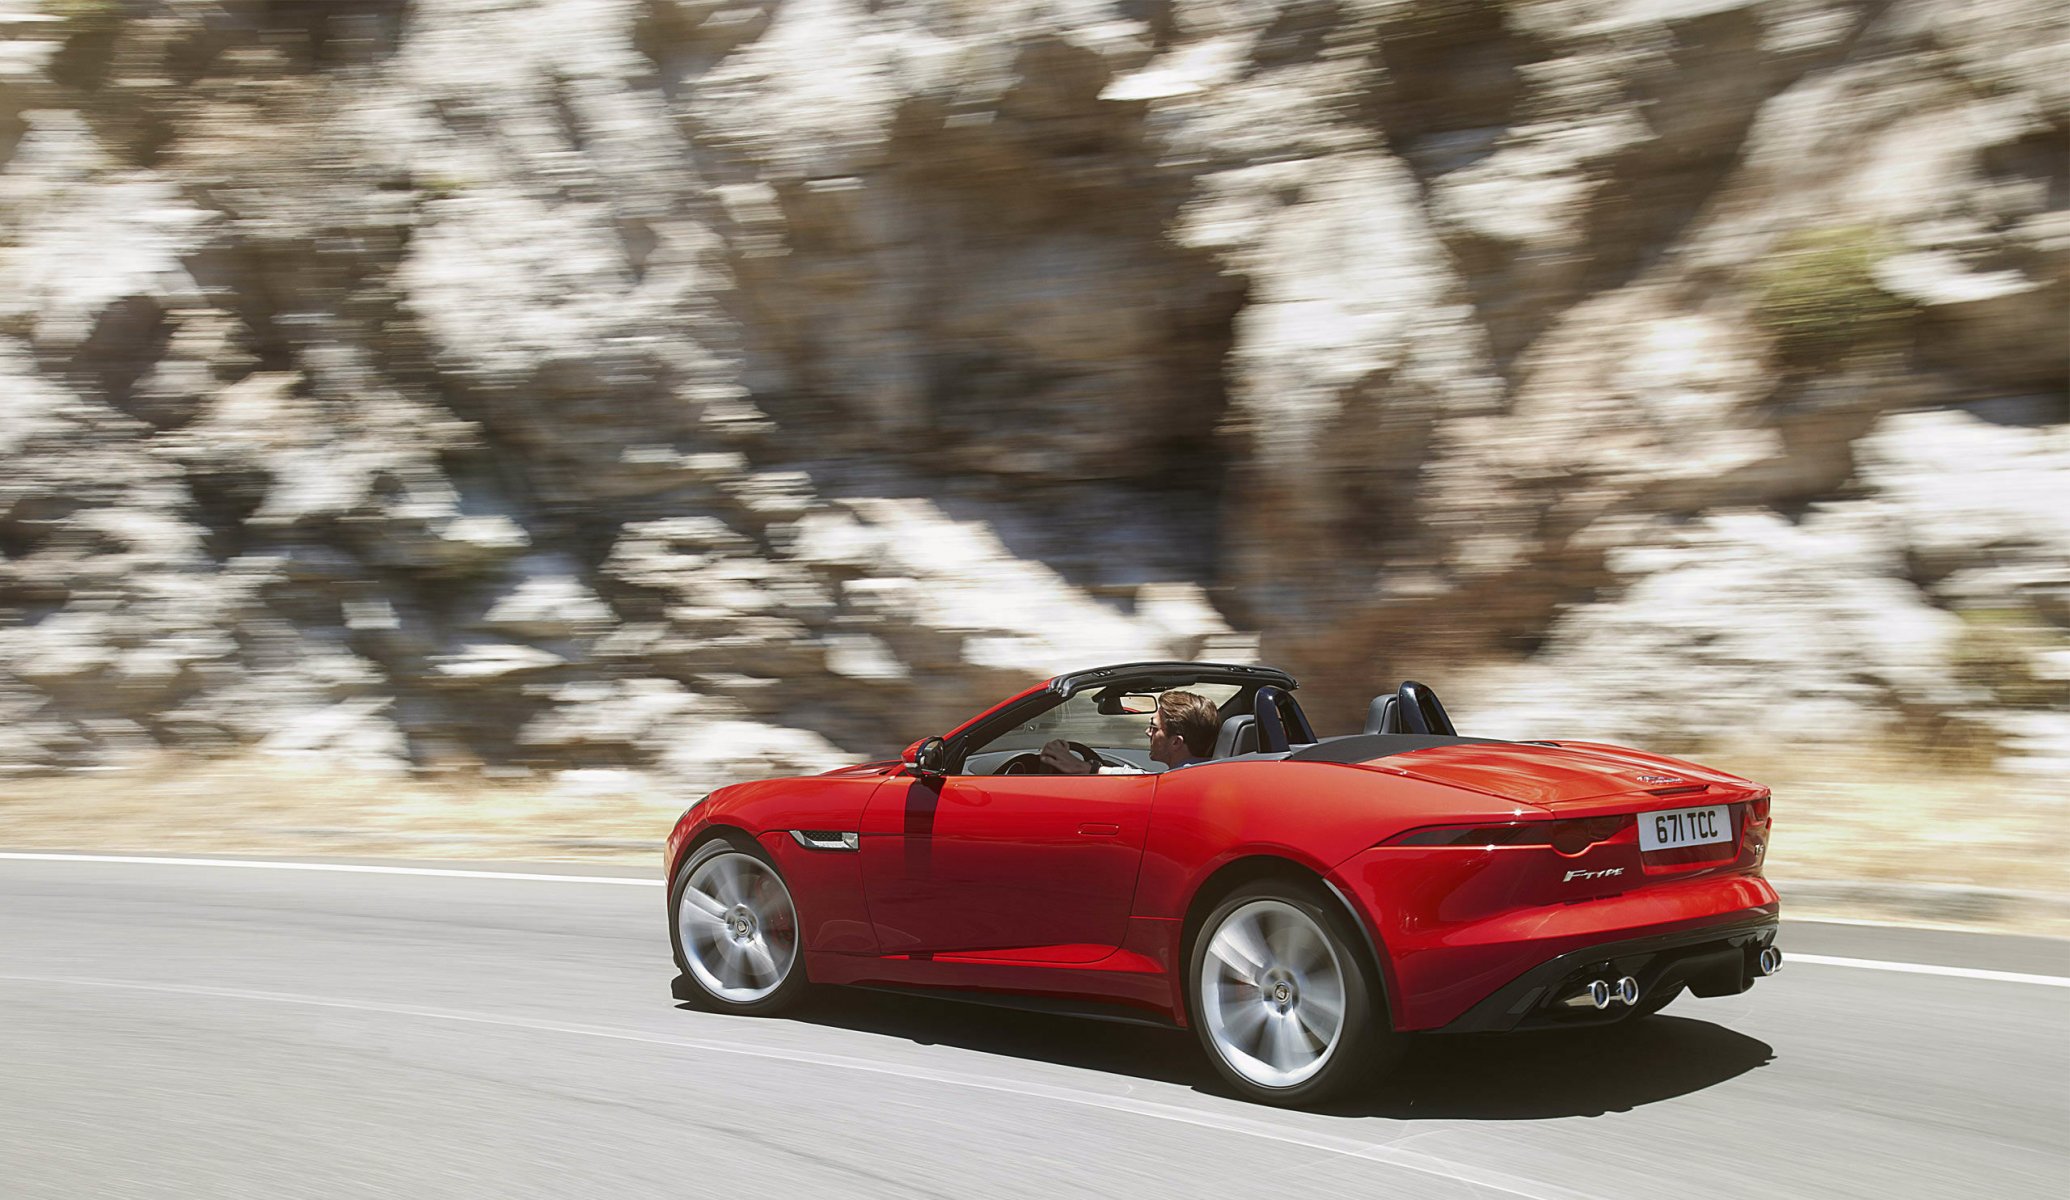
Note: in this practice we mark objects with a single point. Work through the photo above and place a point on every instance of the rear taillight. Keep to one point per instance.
(1514, 833)
(1757, 809)
(1569, 837)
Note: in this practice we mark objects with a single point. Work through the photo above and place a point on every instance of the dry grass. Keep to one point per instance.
(1883, 820)
(1876, 820)
(262, 806)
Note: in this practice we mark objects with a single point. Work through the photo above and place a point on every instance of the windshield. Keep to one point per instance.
(1079, 719)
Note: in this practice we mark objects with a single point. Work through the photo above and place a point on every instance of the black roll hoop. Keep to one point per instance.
(1422, 712)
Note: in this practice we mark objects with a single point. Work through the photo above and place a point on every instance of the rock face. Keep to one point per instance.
(708, 387)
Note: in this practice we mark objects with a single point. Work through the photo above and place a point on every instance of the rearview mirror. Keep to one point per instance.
(1114, 702)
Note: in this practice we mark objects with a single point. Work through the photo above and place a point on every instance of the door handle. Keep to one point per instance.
(1098, 829)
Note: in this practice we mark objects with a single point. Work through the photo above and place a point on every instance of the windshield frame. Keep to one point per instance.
(983, 730)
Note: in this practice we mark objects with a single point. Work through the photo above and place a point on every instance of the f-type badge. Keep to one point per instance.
(1605, 873)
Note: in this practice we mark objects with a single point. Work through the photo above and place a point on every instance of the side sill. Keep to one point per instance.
(1093, 1010)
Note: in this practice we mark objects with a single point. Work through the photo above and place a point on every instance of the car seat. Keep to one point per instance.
(1239, 736)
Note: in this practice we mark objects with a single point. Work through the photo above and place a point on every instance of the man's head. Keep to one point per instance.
(1184, 726)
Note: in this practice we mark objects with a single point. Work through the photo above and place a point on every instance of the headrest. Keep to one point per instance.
(1239, 736)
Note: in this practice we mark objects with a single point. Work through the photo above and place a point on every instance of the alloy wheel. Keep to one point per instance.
(737, 927)
(1272, 993)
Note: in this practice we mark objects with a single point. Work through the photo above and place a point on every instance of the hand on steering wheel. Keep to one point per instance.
(1057, 758)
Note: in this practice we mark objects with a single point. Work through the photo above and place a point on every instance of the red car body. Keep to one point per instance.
(1492, 879)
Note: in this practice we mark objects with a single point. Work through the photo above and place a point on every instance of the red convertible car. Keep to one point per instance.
(1300, 902)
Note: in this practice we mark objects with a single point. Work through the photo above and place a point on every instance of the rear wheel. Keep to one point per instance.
(735, 929)
(1280, 995)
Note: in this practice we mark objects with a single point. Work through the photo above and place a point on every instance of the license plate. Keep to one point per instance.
(1685, 827)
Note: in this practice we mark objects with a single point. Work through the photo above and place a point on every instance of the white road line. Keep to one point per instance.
(1822, 960)
(1871, 964)
(348, 868)
(1203, 1119)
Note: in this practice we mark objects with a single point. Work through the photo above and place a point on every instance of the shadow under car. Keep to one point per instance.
(1484, 1077)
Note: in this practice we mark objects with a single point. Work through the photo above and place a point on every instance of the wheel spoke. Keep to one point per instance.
(703, 933)
(1317, 1023)
(735, 971)
(1239, 950)
(1322, 1008)
(1293, 944)
(1231, 991)
(759, 960)
(1280, 935)
(698, 904)
(1310, 954)
(1243, 1023)
(727, 883)
(1285, 1047)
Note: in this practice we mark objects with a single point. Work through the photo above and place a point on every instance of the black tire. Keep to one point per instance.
(1364, 1046)
(706, 987)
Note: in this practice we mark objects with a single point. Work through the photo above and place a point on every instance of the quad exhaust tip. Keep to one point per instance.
(1628, 991)
(1771, 960)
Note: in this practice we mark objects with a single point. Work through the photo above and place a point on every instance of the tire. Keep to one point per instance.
(1282, 996)
(734, 929)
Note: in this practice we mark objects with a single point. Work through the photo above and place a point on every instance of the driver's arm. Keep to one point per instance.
(1058, 757)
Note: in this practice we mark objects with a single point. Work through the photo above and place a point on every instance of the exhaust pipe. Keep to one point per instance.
(1597, 995)
(1601, 994)
(1771, 960)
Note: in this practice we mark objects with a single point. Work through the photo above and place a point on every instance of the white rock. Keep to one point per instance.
(628, 712)
(710, 754)
(493, 660)
(1749, 629)
(861, 656)
(547, 600)
(353, 736)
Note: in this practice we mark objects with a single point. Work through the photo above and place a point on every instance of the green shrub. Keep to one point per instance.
(84, 13)
(1997, 651)
(1819, 299)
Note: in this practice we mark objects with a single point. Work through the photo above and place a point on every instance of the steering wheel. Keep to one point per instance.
(1032, 764)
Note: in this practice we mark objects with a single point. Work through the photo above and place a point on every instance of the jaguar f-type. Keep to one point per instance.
(1303, 903)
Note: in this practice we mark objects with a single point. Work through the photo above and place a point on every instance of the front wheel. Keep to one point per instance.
(735, 929)
(1280, 996)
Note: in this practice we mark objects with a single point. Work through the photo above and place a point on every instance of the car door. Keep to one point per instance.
(1037, 867)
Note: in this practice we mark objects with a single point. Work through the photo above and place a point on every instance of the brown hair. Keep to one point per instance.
(1191, 716)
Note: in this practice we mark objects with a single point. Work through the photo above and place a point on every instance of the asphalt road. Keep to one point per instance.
(205, 1031)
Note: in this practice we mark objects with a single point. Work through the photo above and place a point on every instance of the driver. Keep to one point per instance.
(1182, 732)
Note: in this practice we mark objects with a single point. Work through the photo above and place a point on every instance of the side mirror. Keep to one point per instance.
(928, 758)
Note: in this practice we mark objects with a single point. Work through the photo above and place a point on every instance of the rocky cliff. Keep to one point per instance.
(703, 387)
